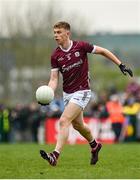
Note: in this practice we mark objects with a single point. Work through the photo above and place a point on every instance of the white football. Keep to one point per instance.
(44, 94)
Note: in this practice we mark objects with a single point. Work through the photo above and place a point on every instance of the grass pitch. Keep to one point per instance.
(23, 161)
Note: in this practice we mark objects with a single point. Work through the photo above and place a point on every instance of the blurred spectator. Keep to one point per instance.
(34, 119)
(19, 116)
(133, 88)
(131, 109)
(4, 124)
(116, 117)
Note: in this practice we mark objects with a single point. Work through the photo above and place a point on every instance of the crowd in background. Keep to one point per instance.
(22, 123)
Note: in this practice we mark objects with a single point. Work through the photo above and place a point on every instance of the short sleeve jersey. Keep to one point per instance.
(73, 64)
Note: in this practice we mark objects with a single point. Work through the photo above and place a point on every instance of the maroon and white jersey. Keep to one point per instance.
(73, 64)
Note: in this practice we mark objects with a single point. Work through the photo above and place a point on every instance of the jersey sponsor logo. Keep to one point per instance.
(77, 54)
(77, 64)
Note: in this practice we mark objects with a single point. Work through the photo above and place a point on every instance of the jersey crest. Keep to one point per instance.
(77, 54)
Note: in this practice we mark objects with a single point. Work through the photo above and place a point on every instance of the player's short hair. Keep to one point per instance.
(62, 24)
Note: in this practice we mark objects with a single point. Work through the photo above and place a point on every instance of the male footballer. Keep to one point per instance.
(70, 58)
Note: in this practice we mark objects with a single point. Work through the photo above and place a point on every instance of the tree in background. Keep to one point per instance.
(26, 46)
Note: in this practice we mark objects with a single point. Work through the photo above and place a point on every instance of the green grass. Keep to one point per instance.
(23, 161)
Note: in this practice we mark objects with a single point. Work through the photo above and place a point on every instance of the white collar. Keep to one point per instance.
(66, 50)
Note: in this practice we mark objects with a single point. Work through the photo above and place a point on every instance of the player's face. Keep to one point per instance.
(61, 35)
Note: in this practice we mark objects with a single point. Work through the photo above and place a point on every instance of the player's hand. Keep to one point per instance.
(43, 104)
(125, 70)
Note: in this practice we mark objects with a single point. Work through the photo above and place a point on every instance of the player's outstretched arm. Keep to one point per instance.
(109, 55)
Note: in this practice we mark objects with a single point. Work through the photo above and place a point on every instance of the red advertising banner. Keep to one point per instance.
(101, 131)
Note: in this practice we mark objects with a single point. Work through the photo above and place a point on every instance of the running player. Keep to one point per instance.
(70, 58)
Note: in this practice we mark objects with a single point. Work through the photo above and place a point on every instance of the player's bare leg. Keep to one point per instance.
(71, 112)
(84, 130)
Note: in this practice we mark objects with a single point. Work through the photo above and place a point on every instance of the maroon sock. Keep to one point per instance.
(93, 144)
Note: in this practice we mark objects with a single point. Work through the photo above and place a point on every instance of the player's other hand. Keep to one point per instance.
(125, 70)
(43, 104)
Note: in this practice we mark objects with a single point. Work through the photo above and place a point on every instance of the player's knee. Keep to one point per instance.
(63, 122)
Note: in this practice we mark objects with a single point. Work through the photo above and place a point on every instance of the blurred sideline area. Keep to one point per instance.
(26, 43)
(112, 117)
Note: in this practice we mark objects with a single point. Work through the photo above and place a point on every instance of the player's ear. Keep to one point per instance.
(68, 33)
